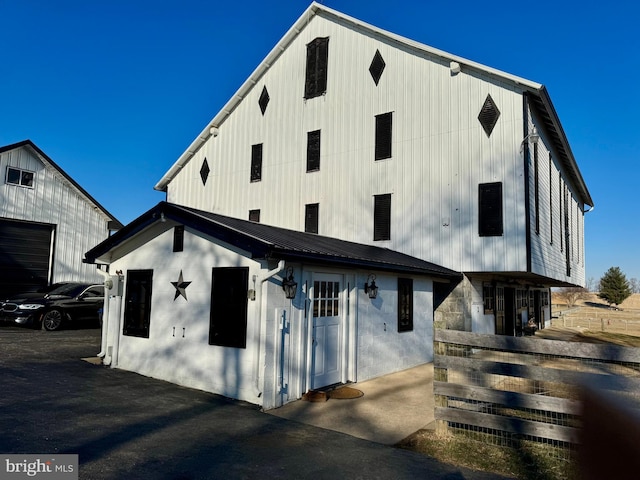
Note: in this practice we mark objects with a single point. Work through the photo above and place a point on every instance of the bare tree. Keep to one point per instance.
(590, 284)
(634, 284)
(570, 295)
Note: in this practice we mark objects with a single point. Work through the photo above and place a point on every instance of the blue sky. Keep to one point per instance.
(114, 91)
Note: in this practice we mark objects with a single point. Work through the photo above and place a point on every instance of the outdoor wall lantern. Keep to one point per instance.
(532, 137)
(289, 285)
(370, 286)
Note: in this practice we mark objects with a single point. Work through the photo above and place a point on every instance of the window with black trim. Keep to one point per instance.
(256, 162)
(316, 72)
(490, 209)
(383, 135)
(405, 304)
(382, 217)
(137, 310)
(313, 151)
(228, 316)
(311, 217)
(17, 176)
(178, 238)
(488, 294)
(254, 216)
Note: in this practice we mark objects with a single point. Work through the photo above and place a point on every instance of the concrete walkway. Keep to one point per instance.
(392, 408)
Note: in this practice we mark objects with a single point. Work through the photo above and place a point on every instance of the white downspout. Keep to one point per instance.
(257, 375)
(108, 285)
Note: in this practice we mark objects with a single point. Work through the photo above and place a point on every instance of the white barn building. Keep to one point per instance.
(47, 222)
(348, 132)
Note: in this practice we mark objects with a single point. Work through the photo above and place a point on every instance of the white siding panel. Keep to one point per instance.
(440, 153)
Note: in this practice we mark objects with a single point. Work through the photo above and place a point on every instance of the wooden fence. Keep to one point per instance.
(524, 388)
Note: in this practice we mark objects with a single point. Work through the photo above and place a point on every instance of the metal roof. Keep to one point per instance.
(114, 224)
(268, 242)
(537, 92)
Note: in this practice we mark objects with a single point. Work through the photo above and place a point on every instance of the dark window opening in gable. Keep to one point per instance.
(311, 217)
(316, 69)
(490, 209)
(17, 176)
(489, 115)
(313, 151)
(263, 101)
(377, 67)
(382, 217)
(137, 310)
(383, 135)
(228, 316)
(178, 238)
(256, 162)
(204, 172)
(254, 216)
(405, 304)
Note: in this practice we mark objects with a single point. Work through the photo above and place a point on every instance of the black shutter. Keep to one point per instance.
(316, 71)
(313, 151)
(490, 209)
(382, 217)
(228, 317)
(311, 218)
(383, 135)
(256, 162)
(178, 238)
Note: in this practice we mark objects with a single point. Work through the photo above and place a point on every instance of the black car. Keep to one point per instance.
(65, 303)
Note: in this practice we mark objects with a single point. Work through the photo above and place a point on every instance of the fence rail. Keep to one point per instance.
(524, 387)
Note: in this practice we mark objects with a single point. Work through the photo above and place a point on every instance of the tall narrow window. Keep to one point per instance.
(137, 309)
(313, 151)
(382, 217)
(490, 209)
(316, 71)
(228, 316)
(383, 135)
(550, 201)
(254, 216)
(311, 218)
(536, 187)
(560, 211)
(405, 304)
(256, 162)
(178, 238)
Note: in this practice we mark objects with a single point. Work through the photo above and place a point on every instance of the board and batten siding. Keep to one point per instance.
(549, 243)
(440, 152)
(78, 225)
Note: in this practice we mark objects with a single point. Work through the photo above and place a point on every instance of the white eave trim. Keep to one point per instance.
(286, 40)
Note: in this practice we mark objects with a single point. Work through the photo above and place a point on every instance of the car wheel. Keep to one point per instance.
(52, 320)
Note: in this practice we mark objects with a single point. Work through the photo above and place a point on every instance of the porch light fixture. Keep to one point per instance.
(289, 285)
(371, 288)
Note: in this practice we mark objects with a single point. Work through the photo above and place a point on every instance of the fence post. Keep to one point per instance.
(602, 324)
(441, 375)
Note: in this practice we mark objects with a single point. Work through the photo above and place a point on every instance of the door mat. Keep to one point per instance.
(345, 393)
(340, 393)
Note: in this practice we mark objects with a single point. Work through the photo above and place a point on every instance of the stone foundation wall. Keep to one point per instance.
(455, 312)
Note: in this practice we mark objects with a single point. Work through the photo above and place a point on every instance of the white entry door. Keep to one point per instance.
(327, 328)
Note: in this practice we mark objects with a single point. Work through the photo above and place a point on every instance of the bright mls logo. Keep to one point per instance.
(54, 467)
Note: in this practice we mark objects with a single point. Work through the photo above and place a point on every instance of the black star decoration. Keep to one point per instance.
(181, 287)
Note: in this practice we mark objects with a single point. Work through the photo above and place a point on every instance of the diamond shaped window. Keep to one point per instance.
(204, 172)
(377, 67)
(489, 115)
(264, 100)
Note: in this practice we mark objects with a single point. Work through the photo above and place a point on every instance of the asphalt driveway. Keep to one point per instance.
(124, 425)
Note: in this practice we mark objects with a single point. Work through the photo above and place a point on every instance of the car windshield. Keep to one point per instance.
(68, 289)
